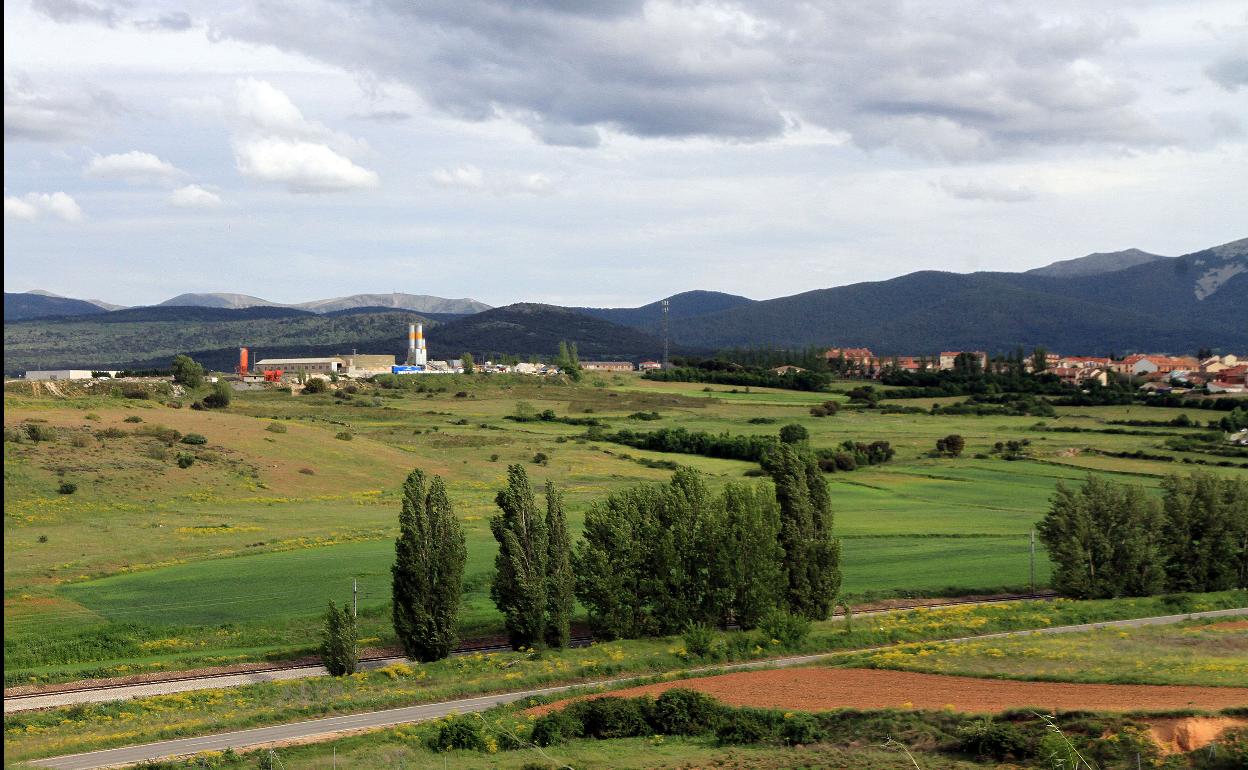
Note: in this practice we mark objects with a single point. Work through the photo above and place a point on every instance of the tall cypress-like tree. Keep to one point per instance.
(520, 574)
(339, 641)
(812, 574)
(428, 571)
(560, 581)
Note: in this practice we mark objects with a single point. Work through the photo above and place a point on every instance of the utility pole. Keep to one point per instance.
(1033, 561)
(355, 598)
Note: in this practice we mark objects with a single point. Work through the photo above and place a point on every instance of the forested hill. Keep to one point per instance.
(1169, 304)
(689, 304)
(150, 337)
(20, 306)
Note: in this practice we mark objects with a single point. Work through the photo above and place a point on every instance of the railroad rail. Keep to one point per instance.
(470, 648)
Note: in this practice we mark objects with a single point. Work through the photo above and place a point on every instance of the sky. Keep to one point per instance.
(607, 153)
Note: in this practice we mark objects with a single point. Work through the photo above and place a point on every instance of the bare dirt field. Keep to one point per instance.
(823, 689)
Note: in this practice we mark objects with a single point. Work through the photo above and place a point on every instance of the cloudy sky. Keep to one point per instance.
(607, 153)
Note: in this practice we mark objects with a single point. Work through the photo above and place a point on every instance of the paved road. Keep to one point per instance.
(376, 719)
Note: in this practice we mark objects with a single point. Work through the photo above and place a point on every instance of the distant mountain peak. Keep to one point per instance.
(420, 303)
(1097, 264)
(218, 299)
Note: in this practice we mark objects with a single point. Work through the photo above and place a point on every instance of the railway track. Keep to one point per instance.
(376, 661)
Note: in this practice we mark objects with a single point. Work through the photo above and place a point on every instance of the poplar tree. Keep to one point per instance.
(811, 566)
(520, 574)
(1205, 533)
(744, 574)
(428, 571)
(1104, 540)
(559, 578)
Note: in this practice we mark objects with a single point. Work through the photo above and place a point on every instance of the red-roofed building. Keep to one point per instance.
(948, 357)
(854, 357)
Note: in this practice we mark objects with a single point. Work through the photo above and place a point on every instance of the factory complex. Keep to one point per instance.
(356, 365)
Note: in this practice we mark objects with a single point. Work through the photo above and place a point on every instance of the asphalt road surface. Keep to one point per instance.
(244, 739)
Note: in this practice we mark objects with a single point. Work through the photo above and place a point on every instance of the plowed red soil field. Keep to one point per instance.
(822, 689)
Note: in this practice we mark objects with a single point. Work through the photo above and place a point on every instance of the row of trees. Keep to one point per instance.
(658, 558)
(532, 584)
(655, 558)
(1110, 540)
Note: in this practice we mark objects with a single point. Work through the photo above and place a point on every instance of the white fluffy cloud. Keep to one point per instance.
(303, 167)
(274, 142)
(32, 206)
(193, 196)
(133, 167)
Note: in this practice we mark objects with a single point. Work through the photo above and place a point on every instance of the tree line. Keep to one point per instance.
(655, 559)
(1110, 540)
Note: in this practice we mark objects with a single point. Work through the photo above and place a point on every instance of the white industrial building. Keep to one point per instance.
(66, 374)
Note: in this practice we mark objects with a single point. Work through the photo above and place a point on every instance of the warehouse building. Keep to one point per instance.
(64, 374)
(332, 365)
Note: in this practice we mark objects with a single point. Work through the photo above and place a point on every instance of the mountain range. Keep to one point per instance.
(43, 304)
(1103, 303)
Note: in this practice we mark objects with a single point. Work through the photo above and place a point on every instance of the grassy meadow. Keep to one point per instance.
(148, 564)
(1212, 652)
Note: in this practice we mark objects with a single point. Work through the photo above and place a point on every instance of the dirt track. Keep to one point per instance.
(822, 689)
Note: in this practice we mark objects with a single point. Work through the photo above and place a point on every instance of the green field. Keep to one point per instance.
(236, 555)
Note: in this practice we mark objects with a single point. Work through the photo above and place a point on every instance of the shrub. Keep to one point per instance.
(761, 420)
(826, 409)
(951, 445)
(745, 726)
(986, 738)
(699, 639)
(80, 440)
(784, 627)
(275, 427)
(37, 432)
(800, 729)
(159, 432)
(687, 712)
(67, 488)
(220, 396)
(541, 458)
(494, 457)
(315, 385)
(461, 732)
(194, 438)
(556, 727)
(156, 452)
(131, 418)
(13, 435)
(794, 434)
(185, 460)
(461, 394)
(94, 416)
(344, 435)
(307, 471)
(43, 538)
(612, 717)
